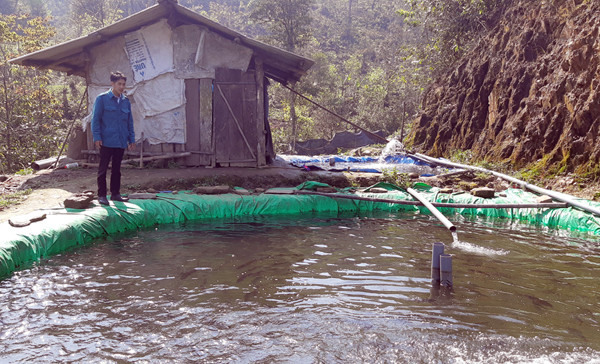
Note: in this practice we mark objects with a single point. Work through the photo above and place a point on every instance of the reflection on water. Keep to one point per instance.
(321, 289)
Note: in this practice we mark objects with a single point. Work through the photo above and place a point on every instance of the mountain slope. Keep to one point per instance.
(529, 91)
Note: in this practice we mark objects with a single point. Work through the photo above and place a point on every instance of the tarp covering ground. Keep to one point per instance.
(65, 229)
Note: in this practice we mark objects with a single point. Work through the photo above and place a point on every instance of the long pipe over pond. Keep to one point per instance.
(450, 226)
(571, 200)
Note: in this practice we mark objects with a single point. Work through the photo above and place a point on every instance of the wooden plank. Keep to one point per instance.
(260, 113)
(223, 121)
(90, 138)
(249, 108)
(192, 120)
(235, 109)
(206, 121)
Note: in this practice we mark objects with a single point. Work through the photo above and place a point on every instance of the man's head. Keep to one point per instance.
(117, 81)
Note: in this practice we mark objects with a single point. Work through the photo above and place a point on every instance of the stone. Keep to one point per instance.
(326, 189)
(79, 201)
(259, 190)
(26, 220)
(151, 190)
(446, 190)
(544, 199)
(377, 190)
(413, 175)
(502, 194)
(3, 178)
(484, 192)
(281, 191)
(212, 190)
(142, 196)
(242, 191)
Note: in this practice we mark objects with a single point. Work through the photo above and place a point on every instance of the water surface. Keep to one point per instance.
(309, 290)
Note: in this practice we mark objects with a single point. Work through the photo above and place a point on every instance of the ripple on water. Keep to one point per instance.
(207, 294)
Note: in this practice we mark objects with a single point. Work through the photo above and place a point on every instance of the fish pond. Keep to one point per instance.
(316, 289)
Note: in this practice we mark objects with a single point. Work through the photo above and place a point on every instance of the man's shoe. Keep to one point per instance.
(103, 200)
(119, 198)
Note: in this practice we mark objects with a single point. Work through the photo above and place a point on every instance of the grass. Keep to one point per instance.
(13, 198)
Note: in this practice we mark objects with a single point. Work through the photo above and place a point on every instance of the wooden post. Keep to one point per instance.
(206, 121)
(261, 159)
(142, 151)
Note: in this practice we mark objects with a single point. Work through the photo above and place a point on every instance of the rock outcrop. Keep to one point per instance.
(528, 93)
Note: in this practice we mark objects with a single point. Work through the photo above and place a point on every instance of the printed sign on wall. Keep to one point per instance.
(150, 51)
(139, 56)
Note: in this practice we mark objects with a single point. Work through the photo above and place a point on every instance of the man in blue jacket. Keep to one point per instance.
(112, 127)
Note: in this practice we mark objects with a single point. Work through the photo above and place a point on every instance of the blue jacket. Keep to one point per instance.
(112, 122)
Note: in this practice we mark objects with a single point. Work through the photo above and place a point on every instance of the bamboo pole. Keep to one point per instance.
(571, 200)
(440, 204)
(337, 115)
(70, 128)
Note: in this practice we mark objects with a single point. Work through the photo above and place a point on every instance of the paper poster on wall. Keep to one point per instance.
(160, 94)
(150, 51)
(140, 59)
(168, 127)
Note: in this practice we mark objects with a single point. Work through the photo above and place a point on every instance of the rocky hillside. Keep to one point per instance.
(529, 92)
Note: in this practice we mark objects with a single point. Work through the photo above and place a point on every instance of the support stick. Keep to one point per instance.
(142, 151)
(437, 250)
(446, 271)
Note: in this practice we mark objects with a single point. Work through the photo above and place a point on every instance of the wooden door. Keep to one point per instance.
(198, 111)
(234, 116)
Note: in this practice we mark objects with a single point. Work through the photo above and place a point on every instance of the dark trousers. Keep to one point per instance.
(106, 154)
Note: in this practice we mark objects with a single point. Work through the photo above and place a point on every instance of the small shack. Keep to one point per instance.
(197, 88)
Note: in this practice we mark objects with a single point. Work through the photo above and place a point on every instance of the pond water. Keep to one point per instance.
(317, 289)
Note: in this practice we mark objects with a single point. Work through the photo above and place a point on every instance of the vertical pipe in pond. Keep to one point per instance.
(446, 270)
(436, 252)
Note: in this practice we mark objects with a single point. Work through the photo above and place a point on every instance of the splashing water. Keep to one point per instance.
(455, 238)
(476, 249)
(394, 147)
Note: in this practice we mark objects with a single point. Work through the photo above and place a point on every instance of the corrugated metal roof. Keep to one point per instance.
(70, 57)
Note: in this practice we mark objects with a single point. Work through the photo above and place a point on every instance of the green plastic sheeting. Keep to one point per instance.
(64, 229)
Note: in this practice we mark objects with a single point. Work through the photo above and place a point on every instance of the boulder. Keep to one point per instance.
(79, 201)
(3, 178)
(484, 192)
(446, 190)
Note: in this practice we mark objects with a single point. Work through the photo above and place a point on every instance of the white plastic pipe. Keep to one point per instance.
(433, 210)
(571, 200)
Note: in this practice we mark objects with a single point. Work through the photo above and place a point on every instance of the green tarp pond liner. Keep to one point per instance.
(64, 229)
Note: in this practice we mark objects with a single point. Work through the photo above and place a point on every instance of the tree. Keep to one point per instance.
(31, 124)
(289, 24)
(288, 21)
(449, 27)
(89, 15)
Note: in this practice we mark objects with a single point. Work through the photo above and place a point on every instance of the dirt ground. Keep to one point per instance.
(49, 188)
